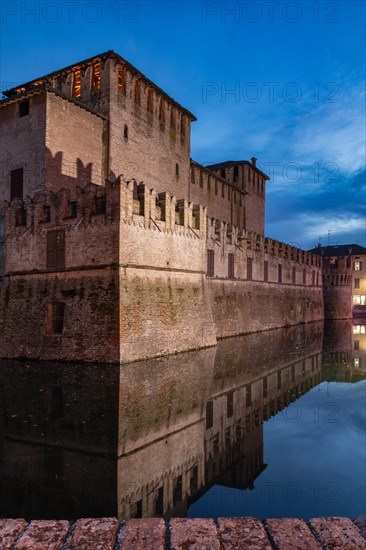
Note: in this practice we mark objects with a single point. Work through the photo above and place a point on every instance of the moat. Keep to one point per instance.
(268, 425)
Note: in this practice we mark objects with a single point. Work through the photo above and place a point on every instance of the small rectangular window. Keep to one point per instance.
(46, 213)
(209, 415)
(231, 265)
(249, 269)
(265, 271)
(55, 317)
(16, 184)
(73, 205)
(56, 249)
(24, 108)
(357, 283)
(357, 266)
(356, 345)
(210, 263)
(100, 205)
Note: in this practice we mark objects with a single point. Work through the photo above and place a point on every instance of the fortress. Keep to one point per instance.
(115, 245)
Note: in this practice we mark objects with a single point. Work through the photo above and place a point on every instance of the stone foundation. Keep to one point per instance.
(182, 533)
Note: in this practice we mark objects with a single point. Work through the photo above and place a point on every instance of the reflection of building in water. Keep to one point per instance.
(253, 377)
(359, 348)
(147, 438)
(344, 351)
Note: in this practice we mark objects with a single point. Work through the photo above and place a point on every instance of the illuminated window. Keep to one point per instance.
(359, 300)
(359, 329)
(95, 85)
(121, 79)
(76, 85)
(356, 362)
(150, 101)
(357, 266)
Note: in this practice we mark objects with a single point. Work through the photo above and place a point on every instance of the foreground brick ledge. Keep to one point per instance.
(181, 534)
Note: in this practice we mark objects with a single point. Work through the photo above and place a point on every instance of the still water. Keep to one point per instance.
(269, 425)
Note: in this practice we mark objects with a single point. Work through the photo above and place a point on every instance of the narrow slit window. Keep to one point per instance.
(249, 269)
(231, 265)
(210, 263)
(173, 124)
(125, 131)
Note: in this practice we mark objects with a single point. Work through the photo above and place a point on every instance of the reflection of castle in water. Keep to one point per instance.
(148, 438)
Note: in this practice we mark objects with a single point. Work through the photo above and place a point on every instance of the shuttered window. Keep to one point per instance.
(231, 266)
(16, 184)
(210, 263)
(56, 249)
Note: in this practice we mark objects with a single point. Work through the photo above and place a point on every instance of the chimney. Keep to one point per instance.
(254, 161)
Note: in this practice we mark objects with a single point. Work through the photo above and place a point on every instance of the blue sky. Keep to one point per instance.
(282, 81)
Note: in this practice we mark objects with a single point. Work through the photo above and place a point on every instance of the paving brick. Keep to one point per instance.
(98, 534)
(43, 535)
(237, 533)
(338, 533)
(195, 534)
(292, 534)
(9, 531)
(140, 534)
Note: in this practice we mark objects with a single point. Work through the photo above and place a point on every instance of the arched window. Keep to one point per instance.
(121, 79)
(162, 111)
(95, 84)
(172, 119)
(137, 95)
(150, 101)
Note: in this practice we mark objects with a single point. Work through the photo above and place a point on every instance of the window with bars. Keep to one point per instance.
(55, 317)
(16, 184)
(231, 269)
(56, 249)
(249, 269)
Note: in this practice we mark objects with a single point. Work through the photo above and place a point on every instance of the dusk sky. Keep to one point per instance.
(281, 81)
